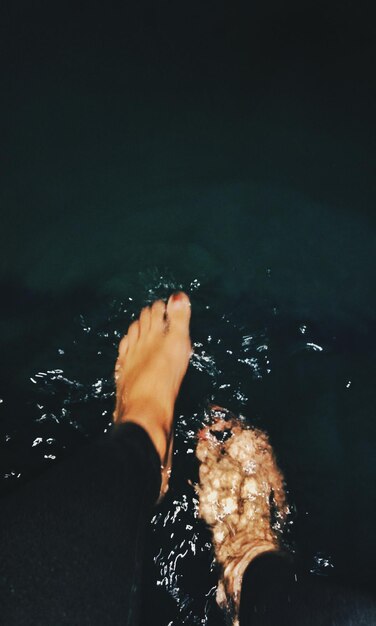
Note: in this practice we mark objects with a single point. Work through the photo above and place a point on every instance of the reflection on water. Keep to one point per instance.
(257, 364)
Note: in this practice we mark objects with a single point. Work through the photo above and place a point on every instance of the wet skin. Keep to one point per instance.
(153, 359)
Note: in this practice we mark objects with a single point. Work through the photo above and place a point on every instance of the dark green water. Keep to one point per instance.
(151, 151)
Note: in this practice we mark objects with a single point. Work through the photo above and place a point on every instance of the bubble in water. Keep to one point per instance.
(322, 564)
(203, 361)
(314, 346)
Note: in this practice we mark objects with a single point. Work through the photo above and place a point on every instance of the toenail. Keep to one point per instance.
(177, 296)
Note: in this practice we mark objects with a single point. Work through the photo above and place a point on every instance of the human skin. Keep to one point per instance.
(152, 361)
(239, 478)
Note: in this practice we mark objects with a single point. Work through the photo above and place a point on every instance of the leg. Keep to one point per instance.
(267, 590)
(71, 541)
(153, 359)
(261, 585)
(274, 591)
(239, 479)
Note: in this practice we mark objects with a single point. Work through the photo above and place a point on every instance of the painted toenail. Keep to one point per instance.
(177, 296)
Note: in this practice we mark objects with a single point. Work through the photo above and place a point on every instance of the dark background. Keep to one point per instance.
(227, 148)
(110, 112)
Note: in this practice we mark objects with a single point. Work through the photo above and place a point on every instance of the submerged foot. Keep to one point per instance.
(153, 359)
(239, 481)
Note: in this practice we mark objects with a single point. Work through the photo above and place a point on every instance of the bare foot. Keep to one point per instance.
(153, 358)
(239, 478)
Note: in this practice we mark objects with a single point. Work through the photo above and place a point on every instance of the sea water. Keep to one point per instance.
(289, 375)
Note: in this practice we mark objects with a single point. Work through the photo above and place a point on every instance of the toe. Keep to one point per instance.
(133, 333)
(118, 366)
(123, 347)
(158, 311)
(179, 310)
(144, 321)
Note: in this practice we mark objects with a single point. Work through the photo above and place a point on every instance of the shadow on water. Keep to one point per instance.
(307, 381)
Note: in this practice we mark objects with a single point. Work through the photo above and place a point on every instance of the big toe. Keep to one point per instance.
(179, 311)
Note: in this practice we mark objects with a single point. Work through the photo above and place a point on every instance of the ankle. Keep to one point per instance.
(234, 568)
(153, 422)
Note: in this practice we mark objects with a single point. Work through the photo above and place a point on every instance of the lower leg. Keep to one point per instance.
(260, 584)
(267, 590)
(71, 541)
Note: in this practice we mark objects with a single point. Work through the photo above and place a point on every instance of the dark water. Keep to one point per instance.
(308, 382)
(231, 155)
